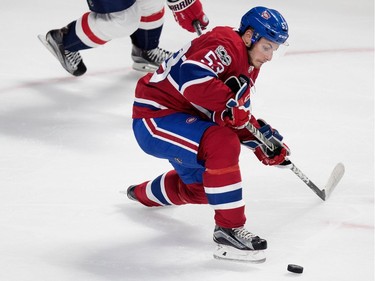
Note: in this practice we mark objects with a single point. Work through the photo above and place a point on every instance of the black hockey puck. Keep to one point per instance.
(295, 268)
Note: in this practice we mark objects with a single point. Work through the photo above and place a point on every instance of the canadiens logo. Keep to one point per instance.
(223, 55)
(191, 120)
(266, 15)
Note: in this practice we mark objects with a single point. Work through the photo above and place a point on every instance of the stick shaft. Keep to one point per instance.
(197, 27)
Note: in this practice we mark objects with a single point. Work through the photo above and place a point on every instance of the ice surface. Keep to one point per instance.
(67, 149)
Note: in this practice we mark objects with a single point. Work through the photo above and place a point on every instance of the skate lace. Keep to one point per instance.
(74, 58)
(158, 54)
(244, 233)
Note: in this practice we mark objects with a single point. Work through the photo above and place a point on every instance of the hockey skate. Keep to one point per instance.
(130, 193)
(148, 60)
(71, 61)
(238, 244)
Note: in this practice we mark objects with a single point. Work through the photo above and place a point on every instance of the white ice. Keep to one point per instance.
(67, 150)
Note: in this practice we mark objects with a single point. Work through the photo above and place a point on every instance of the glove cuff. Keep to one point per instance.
(179, 5)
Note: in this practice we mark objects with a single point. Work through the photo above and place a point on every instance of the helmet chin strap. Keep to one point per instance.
(249, 45)
(253, 41)
(255, 38)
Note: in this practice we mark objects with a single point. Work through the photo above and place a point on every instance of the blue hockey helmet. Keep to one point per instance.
(266, 23)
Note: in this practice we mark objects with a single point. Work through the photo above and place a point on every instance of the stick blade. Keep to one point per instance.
(336, 175)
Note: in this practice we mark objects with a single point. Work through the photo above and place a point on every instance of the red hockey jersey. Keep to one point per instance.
(192, 80)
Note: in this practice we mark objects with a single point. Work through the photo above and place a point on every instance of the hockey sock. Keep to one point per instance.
(168, 189)
(71, 41)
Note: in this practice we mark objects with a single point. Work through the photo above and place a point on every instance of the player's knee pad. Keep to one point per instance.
(124, 23)
(109, 26)
(220, 147)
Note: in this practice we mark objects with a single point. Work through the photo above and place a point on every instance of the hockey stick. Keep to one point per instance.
(197, 27)
(332, 182)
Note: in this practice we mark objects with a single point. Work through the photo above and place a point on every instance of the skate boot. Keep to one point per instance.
(71, 61)
(149, 60)
(131, 194)
(239, 244)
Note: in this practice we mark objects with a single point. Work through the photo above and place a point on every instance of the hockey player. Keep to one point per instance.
(193, 111)
(141, 19)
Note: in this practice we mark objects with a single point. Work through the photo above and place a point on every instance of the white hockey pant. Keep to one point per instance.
(119, 24)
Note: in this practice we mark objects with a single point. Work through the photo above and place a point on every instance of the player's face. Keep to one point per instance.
(262, 52)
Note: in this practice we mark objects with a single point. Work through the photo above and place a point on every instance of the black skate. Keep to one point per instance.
(131, 194)
(239, 244)
(71, 61)
(149, 60)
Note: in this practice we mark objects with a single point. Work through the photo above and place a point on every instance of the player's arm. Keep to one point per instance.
(228, 101)
(237, 112)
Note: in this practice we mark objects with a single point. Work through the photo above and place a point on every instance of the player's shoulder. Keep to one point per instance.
(226, 31)
(227, 36)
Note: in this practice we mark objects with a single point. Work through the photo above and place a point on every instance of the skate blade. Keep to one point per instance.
(144, 67)
(223, 252)
(42, 38)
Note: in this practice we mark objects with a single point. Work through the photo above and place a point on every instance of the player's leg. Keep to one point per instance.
(218, 152)
(201, 153)
(205, 155)
(107, 20)
(167, 189)
(220, 149)
(146, 53)
(176, 138)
